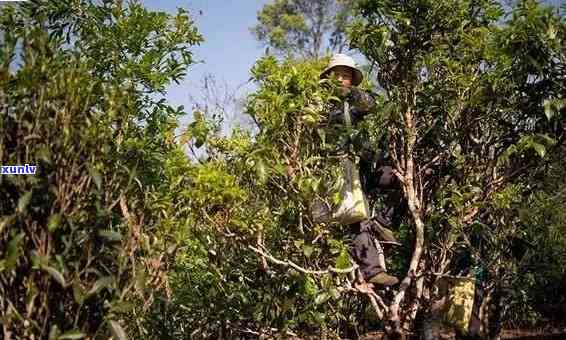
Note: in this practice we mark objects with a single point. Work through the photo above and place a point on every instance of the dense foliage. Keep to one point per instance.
(276, 175)
(478, 99)
(120, 232)
(85, 243)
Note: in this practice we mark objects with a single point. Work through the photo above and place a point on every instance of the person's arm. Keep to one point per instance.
(395, 207)
(388, 184)
(362, 103)
(335, 115)
(387, 179)
(362, 100)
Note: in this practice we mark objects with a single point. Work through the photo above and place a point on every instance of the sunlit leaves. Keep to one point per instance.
(343, 260)
(54, 222)
(24, 201)
(538, 143)
(13, 252)
(81, 106)
(554, 107)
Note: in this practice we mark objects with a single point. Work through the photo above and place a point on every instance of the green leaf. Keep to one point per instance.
(334, 293)
(336, 198)
(54, 333)
(53, 222)
(122, 307)
(117, 330)
(72, 335)
(539, 148)
(96, 176)
(322, 134)
(321, 298)
(140, 279)
(309, 119)
(548, 109)
(546, 139)
(309, 287)
(55, 274)
(553, 106)
(100, 284)
(78, 292)
(24, 201)
(308, 250)
(13, 252)
(5, 220)
(44, 154)
(343, 260)
(261, 171)
(110, 235)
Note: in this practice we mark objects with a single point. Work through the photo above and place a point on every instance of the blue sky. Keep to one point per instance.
(229, 49)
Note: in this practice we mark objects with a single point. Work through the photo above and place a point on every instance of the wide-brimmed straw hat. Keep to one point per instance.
(343, 60)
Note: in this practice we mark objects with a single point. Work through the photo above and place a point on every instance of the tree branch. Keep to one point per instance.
(295, 266)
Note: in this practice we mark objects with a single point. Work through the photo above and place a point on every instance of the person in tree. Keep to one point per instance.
(377, 178)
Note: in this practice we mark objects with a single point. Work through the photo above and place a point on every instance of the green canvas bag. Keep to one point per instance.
(353, 206)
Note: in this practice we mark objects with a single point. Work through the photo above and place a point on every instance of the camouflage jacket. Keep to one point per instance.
(376, 176)
(361, 102)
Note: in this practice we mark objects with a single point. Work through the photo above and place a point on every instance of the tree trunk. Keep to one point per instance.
(410, 182)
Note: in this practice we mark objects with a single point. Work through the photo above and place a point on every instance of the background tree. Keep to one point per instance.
(86, 242)
(304, 28)
(467, 95)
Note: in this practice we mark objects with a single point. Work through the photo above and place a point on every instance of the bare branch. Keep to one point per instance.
(301, 269)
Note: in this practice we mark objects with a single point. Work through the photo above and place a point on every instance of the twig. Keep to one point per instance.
(391, 242)
(301, 269)
(375, 300)
(226, 233)
(319, 236)
(259, 242)
(450, 276)
(248, 331)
